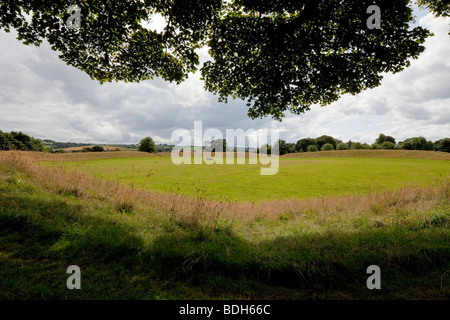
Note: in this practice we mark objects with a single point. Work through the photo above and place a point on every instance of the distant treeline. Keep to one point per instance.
(20, 141)
(164, 147)
(63, 145)
(326, 143)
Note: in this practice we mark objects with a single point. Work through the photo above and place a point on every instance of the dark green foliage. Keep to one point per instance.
(416, 143)
(282, 146)
(97, 149)
(288, 55)
(63, 145)
(89, 149)
(147, 145)
(327, 147)
(5, 141)
(376, 146)
(342, 146)
(277, 55)
(356, 145)
(19, 141)
(442, 145)
(312, 148)
(37, 144)
(112, 43)
(322, 140)
(382, 138)
(290, 147)
(303, 144)
(319, 142)
(388, 145)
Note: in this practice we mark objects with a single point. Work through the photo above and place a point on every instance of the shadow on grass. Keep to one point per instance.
(40, 237)
(325, 266)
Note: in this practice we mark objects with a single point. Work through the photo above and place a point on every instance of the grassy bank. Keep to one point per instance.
(135, 244)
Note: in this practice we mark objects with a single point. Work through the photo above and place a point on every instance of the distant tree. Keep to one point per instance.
(21, 141)
(382, 138)
(429, 146)
(442, 145)
(342, 146)
(357, 145)
(349, 144)
(303, 144)
(327, 147)
(416, 143)
(147, 145)
(406, 145)
(37, 144)
(388, 145)
(312, 148)
(337, 142)
(322, 140)
(97, 149)
(5, 141)
(376, 146)
(290, 147)
(62, 145)
(282, 147)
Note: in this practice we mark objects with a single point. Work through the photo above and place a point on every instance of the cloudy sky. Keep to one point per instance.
(43, 97)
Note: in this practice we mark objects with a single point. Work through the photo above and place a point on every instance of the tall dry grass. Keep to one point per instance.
(198, 210)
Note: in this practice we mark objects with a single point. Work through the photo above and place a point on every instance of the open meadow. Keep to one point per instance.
(297, 178)
(141, 227)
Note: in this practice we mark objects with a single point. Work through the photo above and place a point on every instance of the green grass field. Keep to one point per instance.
(51, 218)
(296, 178)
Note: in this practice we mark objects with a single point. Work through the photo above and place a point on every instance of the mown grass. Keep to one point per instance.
(297, 177)
(138, 252)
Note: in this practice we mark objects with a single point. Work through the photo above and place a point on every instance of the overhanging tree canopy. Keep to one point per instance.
(278, 55)
(440, 8)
